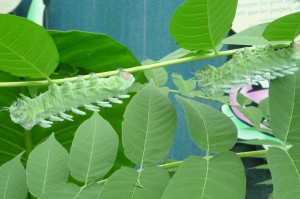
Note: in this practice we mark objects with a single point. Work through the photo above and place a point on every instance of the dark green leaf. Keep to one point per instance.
(210, 129)
(201, 25)
(284, 99)
(285, 170)
(286, 28)
(250, 36)
(26, 48)
(92, 51)
(148, 126)
(65, 191)
(47, 166)
(93, 150)
(253, 114)
(13, 179)
(222, 176)
(127, 183)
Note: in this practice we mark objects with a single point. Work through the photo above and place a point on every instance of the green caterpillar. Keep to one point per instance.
(51, 105)
(248, 67)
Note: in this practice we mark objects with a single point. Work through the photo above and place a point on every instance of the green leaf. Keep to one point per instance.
(47, 166)
(243, 100)
(128, 183)
(285, 169)
(210, 129)
(13, 179)
(185, 87)
(91, 191)
(93, 150)
(286, 28)
(65, 191)
(148, 126)
(284, 99)
(201, 25)
(222, 176)
(92, 51)
(250, 36)
(158, 75)
(26, 48)
(264, 107)
(253, 114)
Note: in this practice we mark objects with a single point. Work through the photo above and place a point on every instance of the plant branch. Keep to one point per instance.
(131, 70)
(172, 165)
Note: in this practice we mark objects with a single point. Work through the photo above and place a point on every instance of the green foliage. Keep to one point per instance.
(121, 153)
(148, 127)
(219, 177)
(286, 28)
(26, 48)
(89, 51)
(285, 108)
(201, 25)
(210, 129)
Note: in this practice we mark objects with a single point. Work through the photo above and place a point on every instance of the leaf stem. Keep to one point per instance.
(172, 165)
(132, 69)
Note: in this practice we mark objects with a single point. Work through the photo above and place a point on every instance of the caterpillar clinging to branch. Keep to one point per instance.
(247, 68)
(51, 105)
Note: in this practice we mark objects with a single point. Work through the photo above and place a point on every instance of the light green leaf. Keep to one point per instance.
(93, 150)
(181, 52)
(284, 99)
(92, 191)
(243, 100)
(210, 129)
(222, 176)
(158, 75)
(127, 183)
(13, 179)
(93, 51)
(250, 36)
(185, 87)
(253, 114)
(65, 191)
(47, 166)
(201, 25)
(286, 28)
(148, 126)
(285, 169)
(26, 49)
(264, 107)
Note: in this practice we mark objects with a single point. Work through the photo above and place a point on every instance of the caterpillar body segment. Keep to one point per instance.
(51, 106)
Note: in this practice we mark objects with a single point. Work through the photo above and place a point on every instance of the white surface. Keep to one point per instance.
(253, 12)
(6, 6)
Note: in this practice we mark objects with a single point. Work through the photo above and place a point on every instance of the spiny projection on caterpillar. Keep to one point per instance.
(248, 67)
(51, 106)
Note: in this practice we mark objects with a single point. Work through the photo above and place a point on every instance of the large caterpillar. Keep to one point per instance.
(247, 68)
(51, 105)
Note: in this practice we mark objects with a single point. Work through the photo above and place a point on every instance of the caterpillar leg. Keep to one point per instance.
(115, 100)
(45, 123)
(66, 116)
(77, 111)
(123, 96)
(104, 104)
(55, 118)
(91, 107)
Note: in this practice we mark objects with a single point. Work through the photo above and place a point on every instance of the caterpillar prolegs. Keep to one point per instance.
(51, 106)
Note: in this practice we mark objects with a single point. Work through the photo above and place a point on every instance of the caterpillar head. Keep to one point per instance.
(126, 78)
(17, 110)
